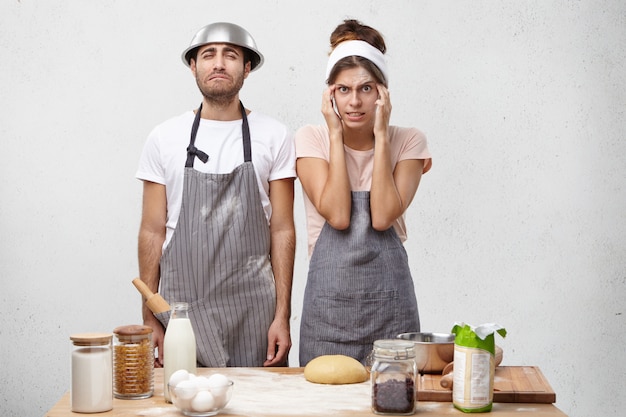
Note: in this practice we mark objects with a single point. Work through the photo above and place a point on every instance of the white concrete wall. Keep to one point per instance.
(522, 219)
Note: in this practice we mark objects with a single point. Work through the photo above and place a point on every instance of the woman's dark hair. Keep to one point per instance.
(353, 30)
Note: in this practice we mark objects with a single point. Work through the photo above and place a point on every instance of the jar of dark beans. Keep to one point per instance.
(393, 376)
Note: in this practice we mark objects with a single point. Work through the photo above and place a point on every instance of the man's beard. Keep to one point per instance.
(222, 95)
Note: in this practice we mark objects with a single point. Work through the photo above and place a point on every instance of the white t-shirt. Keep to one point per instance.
(165, 152)
(313, 142)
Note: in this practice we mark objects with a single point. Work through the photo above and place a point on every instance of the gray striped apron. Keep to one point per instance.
(359, 289)
(218, 261)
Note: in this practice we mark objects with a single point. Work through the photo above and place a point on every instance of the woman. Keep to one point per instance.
(359, 175)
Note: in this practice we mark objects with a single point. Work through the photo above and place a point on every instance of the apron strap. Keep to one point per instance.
(192, 151)
(245, 132)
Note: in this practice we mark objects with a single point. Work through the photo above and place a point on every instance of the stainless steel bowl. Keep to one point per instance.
(223, 32)
(433, 351)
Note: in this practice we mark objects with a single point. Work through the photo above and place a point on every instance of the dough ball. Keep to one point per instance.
(335, 369)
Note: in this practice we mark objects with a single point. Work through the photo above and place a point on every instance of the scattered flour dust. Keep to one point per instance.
(258, 392)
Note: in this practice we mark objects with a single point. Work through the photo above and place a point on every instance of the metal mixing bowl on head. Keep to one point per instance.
(224, 32)
(433, 351)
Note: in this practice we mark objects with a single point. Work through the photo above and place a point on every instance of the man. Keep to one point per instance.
(217, 227)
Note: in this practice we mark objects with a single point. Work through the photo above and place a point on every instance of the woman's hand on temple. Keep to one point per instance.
(328, 110)
(383, 113)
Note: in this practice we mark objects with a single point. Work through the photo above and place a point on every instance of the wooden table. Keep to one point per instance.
(283, 392)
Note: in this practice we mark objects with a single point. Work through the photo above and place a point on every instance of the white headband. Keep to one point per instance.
(358, 48)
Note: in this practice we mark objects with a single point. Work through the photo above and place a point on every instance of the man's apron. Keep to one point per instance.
(359, 289)
(218, 261)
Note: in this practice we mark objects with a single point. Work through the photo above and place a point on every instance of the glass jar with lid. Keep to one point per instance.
(92, 373)
(393, 377)
(133, 362)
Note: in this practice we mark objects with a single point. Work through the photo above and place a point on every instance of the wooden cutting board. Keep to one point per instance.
(512, 384)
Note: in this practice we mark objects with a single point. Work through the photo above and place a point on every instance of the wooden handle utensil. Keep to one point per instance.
(154, 301)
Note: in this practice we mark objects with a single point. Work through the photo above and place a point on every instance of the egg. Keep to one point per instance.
(221, 399)
(218, 381)
(203, 401)
(183, 404)
(202, 382)
(186, 389)
(218, 385)
(176, 377)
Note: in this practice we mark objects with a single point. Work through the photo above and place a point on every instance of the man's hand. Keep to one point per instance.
(158, 333)
(278, 344)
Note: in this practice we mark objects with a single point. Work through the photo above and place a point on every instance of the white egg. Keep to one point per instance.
(183, 404)
(218, 385)
(220, 399)
(218, 380)
(203, 401)
(202, 382)
(176, 377)
(186, 389)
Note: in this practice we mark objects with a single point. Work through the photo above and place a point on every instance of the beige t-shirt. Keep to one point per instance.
(313, 142)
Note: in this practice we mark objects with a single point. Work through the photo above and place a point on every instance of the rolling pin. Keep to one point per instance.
(154, 301)
(448, 374)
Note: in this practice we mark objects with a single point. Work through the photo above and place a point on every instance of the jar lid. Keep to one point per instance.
(394, 348)
(132, 330)
(88, 339)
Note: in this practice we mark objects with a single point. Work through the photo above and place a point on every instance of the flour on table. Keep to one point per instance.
(259, 392)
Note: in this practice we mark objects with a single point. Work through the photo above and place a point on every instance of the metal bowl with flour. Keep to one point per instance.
(433, 351)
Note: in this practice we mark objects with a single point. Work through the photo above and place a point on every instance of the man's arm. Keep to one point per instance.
(282, 254)
(150, 244)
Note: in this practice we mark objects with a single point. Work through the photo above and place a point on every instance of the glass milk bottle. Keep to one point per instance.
(179, 345)
(92, 373)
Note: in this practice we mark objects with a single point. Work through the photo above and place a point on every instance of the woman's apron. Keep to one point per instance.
(359, 289)
(218, 261)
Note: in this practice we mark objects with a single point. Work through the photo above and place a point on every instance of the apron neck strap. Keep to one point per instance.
(192, 151)
(245, 133)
